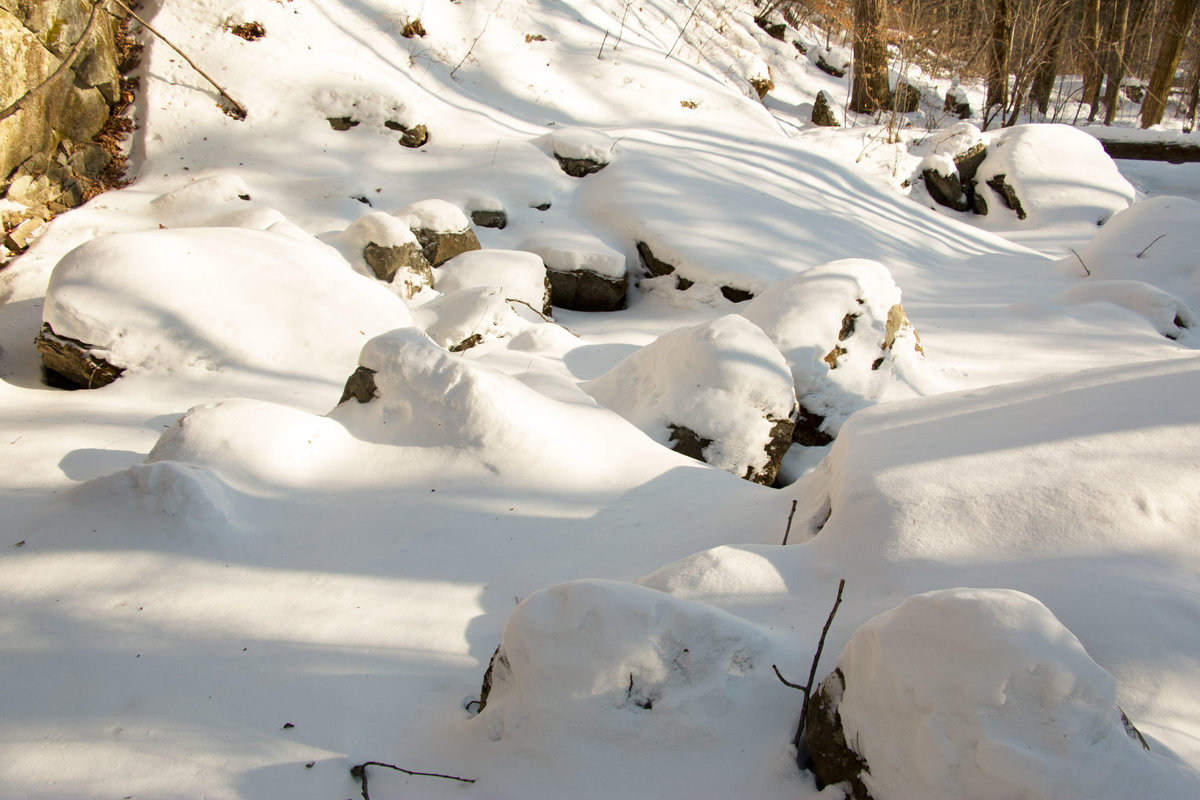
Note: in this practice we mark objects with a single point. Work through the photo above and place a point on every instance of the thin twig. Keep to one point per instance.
(789, 524)
(475, 41)
(1085, 269)
(239, 109)
(812, 673)
(540, 314)
(602, 42)
(1147, 247)
(360, 771)
(621, 33)
(786, 682)
(684, 28)
(19, 103)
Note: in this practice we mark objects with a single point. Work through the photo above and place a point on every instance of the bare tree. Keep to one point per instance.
(1000, 47)
(1179, 19)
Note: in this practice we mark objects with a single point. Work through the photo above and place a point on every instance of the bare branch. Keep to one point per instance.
(786, 682)
(787, 532)
(360, 771)
(1085, 268)
(812, 673)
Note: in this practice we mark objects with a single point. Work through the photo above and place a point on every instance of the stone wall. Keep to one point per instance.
(49, 161)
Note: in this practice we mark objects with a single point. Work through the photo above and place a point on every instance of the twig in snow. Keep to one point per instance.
(812, 672)
(540, 314)
(683, 28)
(360, 771)
(475, 41)
(621, 33)
(789, 524)
(237, 112)
(1147, 247)
(602, 42)
(1085, 269)
(786, 682)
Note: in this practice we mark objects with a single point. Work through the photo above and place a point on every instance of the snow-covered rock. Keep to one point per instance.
(584, 273)
(621, 662)
(1169, 315)
(1053, 174)
(846, 339)
(469, 316)
(982, 693)
(145, 301)
(381, 246)
(835, 61)
(719, 392)
(441, 227)
(518, 275)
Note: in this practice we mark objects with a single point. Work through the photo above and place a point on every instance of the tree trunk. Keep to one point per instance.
(1179, 19)
(1091, 55)
(1047, 67)
(1000, 45)
(1114, 67)
(869, 90)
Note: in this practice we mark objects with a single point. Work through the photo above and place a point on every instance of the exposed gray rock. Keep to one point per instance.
(73, 362)
(823, 113)
(946, 190)
(584, 290)
(360, 386)
(736, 295)
(1007, 193)
(654, 267)
(416, 136)
(439, 247)
(490, 218)
(386, 262)
(832, 758)
(579, 167)
(342, 123)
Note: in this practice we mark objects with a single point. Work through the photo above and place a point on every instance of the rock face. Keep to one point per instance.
(823, 113)
(72, 362)
(387, 262)
(441, 229)
(583, 290)
(719, 392)
(950, 180)
(1007, 193)
(831, 758)
(47, 141)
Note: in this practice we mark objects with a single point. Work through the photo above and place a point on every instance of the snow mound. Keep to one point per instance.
(1061, 175)
(1167, 313)
(180, 491)
(618, 662)
(372, 106)
(845, 337)
(200, 202)
(145, 300)
(515, 274)
(584, 144)
(1154, 241)
(567, 251)
(837, 58)
(466, 317)
(435, 216)
(983, 693)
(958, 138)
(724, 381)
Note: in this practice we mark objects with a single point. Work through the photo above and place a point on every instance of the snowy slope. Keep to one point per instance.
(217, 581)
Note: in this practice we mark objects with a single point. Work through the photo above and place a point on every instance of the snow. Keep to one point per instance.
(518, 275)
(724, 380)
(985, 694)
(212, 546)
(580, 143)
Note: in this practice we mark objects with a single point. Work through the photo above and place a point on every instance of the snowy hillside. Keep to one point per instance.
(319, 501)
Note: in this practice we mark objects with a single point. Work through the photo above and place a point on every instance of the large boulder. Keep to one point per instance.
(441, 228)
(145, 301)
(823, 113)
(518, 275)
(834, 61)
(718, 392)
(584, 273)
(846, 340)
(978, 693)
(949, 171)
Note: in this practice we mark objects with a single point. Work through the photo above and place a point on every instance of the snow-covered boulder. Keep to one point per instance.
(579, 151)
(380, 245)
(1054, 174)
(979, 693)
(823, 113)
(845, 337)
(718, 392)
(584, 273)
(1155, 241)
(835, 61)
(621, 662)
(442, 229)
(517, 274)
(948, 172)
(469, 316)
(1169, 315)
(217, 298)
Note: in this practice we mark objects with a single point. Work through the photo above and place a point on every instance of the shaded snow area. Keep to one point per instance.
(362, 490)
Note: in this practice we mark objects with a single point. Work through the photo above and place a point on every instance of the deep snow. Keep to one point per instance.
(217, 581)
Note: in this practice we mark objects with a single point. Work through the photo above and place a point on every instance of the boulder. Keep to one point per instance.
(585, 274)
(579, 151)
(776, 30)
(1008, 193)
(516, 274)
(653, 266)
(834, 61)
(956, 102)
(718, 392)
(73, 362)
(490, 218)
(828, 754)
(415, 136)
(579, 167)
(906, 98)
(382, 246)
(441, 228)
(360, 386)
(823, 113)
